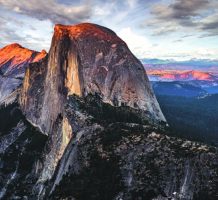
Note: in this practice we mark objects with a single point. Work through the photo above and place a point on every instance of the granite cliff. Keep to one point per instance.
(88, 126)
(86, 59)
(83, 59)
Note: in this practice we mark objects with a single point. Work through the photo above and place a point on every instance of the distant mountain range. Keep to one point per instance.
(188, 84)
(180, 75)
(183, 78)
(187, 92)
(192, 62)
(205, 65)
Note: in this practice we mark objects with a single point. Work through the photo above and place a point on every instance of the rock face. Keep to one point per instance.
(88, 126)
(114, 153)
(21, 152)
(13, 61)
(84, 59)
(117, 156)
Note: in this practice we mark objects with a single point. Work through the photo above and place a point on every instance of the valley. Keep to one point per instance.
(188, 98)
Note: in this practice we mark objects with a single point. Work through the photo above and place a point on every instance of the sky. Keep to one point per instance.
(163, 29)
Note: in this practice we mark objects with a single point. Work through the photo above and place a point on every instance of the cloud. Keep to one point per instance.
(50, 10)
(200, 53)
(30, 22)
(187, 35)
(8, 34)
(180, 11)
(181, 15)
(16, 30)
(210, 26)
(137, 43)
(2, 23)
(178, 40)
(185, 9)
(131, 3)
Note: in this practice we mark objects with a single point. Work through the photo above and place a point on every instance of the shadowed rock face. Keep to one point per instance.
(113, 154)
(13, 61)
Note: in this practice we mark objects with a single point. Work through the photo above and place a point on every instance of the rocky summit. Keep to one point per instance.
(86, 59)
(13, 61)
(87, 125)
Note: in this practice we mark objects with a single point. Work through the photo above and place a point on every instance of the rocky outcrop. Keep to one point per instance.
(89, 127)
(14, 59)
(114, 153)
(117, 156)
(83, 59)
(21, 154)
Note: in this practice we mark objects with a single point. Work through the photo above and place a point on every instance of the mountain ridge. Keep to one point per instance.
(89, 127)
(16, 56)
(14, 59)
(183, 75)
(99, 72)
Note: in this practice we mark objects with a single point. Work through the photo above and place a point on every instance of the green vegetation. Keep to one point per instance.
(100, 180)
(9, 117)
(192, 118)
(104, 112)
(22, 154)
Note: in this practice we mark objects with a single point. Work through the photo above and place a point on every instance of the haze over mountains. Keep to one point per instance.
(205, 65)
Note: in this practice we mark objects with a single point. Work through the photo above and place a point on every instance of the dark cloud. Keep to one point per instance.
(185, 36)
(180, 15)
(210, 25)
(182, 9)
(178, 40)
(51, 10)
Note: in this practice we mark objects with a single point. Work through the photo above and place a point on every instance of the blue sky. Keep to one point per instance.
(165, 29)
